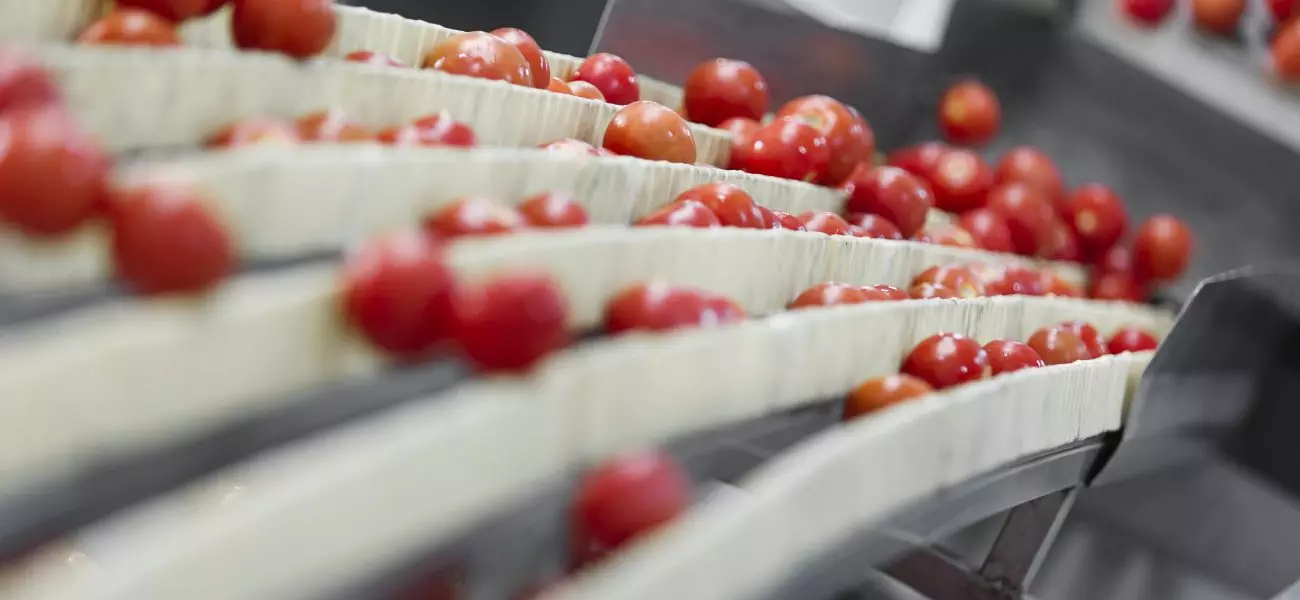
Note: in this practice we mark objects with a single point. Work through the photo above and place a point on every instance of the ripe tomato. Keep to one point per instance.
(583, 89)
(1218, 16)
(733, 206)
(482, 55)
(944, 360)
(1015, 281)
(1119, 259)
(883, 292)
(1147, 13)
(848, 137)
(1282, 10)
(830, 293)
(689, 214)
(1055, 285)
(722, 89)
(438, 129)
(1117, 286)
(52, 176)
(876, 227)
(331, 126)
(786, 148)
(882, 392)
(627, 497)
(397, 291)
(24, 83)
(657, 306)
(892, 193)
(1006, 356)
(919, 160)
(960, 180)
(527, 46)
(1089, 335)
(553, 210)
(174, 10)
(785, 220)
(928, 291)
(1058, 345)
(1285, 52)
(1064, 244)
(989, 229)
(473, 216)
(558, 86)
(1097, 216)
(651, 131)
(1026, 164)
(297, 28)
(130, 27)
(1162, 248)
(371, 57)
(251, 132)
(969, 113)
(1131, 339)
(1028, 215)
(612, 76)
(510, 322)
(166, 242)
(572, 147)
(952, 236)
(740, 127)
(828, 223)
(958, 278)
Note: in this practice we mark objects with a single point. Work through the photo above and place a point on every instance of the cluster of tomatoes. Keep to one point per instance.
(1224, 17)
(334, 125)
(296, 28)
(947, 281)
(478, 216)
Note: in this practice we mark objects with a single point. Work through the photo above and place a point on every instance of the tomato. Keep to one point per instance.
(1055, 285)
(473, 216)
(626, 497)
(740, 127)
(510, 322)
(527, 46)
(958, 278)
(989, 229)
(848, 137)
(130, 27)
(166, 242)
(371, 57)
(553, 210)
(1131, 339)
(1065, 246)
(251, 132)
(885, 292)
(1117, 286)
(919, 160)
(1096, 215)
(892, 193)
(1028, 215)
(24, 83)
(952, 236)
(960, 180)
(786, 148)
(1118, 259)
(969, 113)
(1059, 345)
(1218, 16)
(1026, 164)
(1147, 13)
(174, 10)
(583, 89)
(927, 291)
(331, 126)
(438, 129)
(651, 131)
(482, 55)
(689, 214)
(572, 147)
(1006, 356)
(831, 293)
(1015, 281)
(52, 177)
(944, 360)
(658, 306)
(828, 223)
(875, 226)
(882, 392)
(785, 220)
(1282, 10)
(612, 76)
(397, 291)
(297, 28)
(1285, 52)
(1162, 248)
(1091, 338)
(558, 86)
(722, 89)
(733, 206)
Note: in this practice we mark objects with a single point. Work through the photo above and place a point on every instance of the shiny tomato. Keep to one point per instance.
(960, 180)
(1282, 10)
(558, 86)
(651, 131)
(969, 113)
(626, 497)
(1065, 246)
(1147, 13)
(892, 193)
(928, 291)
(830, 293)
(24, 83)
(722, 89)
(882, 291)
(687, 214)
(785, 220)
(1131, 339)
(1029, 165)
(1006, 356)
(331, 126)
(130, 27)
(882, 392)
(733, 206)
(828, 223)
(175, 10)
(482, 55)
(944, 360)
(612, 76)
(1162, 249)
(251, 132)
(297, 28)
(1059, 345)
(1123, 287)
(583, 89)
(510, 322)
(1218, 16)
(786, 148)
(1096, 215)
(958, 278)
(572, 147)
(740, 127)
(474, 216)
(1285, 52)
(438, 129)
(527, 46)
(1029, 216)
(876, 227)
(1091, 338)
(941, 234)
(553, 210)
(370, 57)
(658, 306)
(165, 241)
(52, 177)
(1015, 281)
(848, 137)
(989, 229)
(918, 160)
(1055, 285)
(397, 291)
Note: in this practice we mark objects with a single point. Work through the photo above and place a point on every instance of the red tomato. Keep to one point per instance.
(1015, 281)
(438, 129)
(989, 229)
(371, 57)
(1218, 16)
(52, 176)
(882, 392)
(650, 131)
(1162, 248)
(527, 46)
(24, 83)
(627, 497)
(927, 291)
(510, 322)
(1285, 52)
(849, 138)
(1097, 216)
(1026, 164)
(733, 206)
(1147, 13)
(785, 220)
(397, 291)
(1064, 244)
(1059, 345)
(1117, 286)
(482, 55)
(892, 193)
(786, 148)
(961, 180)
(166, 242)
(919, 160)
(1006, 356)
(946, 235)
(1029, 216)
(958, 278)
(830, 293)
(882, 291)
(583, 89)
(251, 132)
(572, 147)
(558, 86)
(472, 216)
(722, 89)
(1282, 10)
(944, 360)
(1089, 335)
(660, 307)
(875, 226)
(553, 210)
(175, 10)
(612, 76)
(969, 113)
(828, 223)
(297, 28)
(689, 214)
(1118, 259)
(130, 27)
(740, 127)
(1055, 285)
(331, 126)
(1131, 339)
